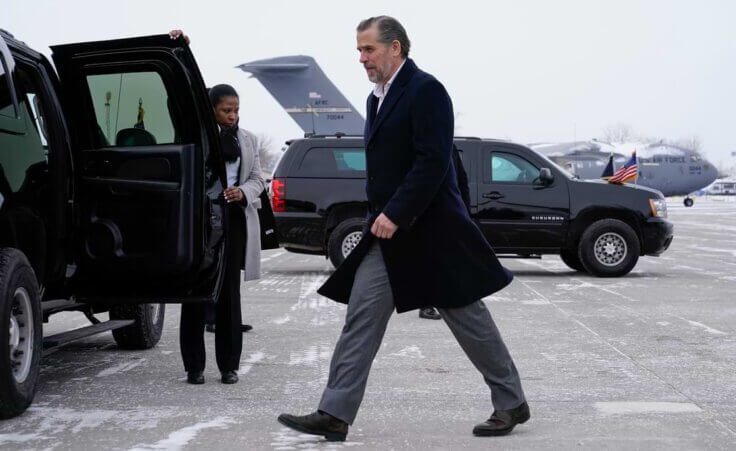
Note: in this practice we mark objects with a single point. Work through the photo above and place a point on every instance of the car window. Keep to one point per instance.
(23, 154)
(34, 103)
(506, 167)
(7, 107)
(333, 162)
(132, 109)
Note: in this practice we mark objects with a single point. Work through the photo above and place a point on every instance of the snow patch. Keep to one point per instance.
(247, 364)
(412, 352)
(179, 439)
(19, 438)
(536, 302)
(638, 407)
(121, 368)
(310, 356)
(282, 320)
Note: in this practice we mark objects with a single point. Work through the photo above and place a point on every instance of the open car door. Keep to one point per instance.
(148, 171)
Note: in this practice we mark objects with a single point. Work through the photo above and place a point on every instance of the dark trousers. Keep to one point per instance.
(228, 337)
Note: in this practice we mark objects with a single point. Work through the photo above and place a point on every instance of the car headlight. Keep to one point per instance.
(659, 207)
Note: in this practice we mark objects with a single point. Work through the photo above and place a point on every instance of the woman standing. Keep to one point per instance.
(244, 185)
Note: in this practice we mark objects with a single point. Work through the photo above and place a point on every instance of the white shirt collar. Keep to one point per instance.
(380, 90)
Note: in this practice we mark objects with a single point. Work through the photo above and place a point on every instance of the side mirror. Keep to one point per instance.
(546, 177)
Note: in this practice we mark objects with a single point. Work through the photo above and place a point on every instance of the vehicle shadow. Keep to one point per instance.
(570, 273)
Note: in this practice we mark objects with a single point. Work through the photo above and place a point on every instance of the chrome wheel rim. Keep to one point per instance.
(350, 241)
(21, 335)
(610, 249)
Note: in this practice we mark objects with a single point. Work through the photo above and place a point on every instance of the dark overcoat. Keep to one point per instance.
(438, 256)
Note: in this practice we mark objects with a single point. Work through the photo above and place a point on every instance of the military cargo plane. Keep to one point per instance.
(671, 169)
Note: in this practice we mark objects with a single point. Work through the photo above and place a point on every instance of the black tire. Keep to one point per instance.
(145, 332)
(688, 202)
(343, 239)
(571, 259)
(21, 344)
(609, 248)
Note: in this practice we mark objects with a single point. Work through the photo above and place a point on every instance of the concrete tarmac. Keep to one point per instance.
(647, 361)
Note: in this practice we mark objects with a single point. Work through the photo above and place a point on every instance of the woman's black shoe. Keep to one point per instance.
(195, 377)
(243, 328)
(229, 377)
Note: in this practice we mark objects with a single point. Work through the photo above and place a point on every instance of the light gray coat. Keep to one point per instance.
(252, 184)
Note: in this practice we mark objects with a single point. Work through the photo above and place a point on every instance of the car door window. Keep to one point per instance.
(333, 163)
(132, 109)
(7, 106)
(510, 168)
(23, 152)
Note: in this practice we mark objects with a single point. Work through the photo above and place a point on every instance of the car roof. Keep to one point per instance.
(341, 136)
(16, 45)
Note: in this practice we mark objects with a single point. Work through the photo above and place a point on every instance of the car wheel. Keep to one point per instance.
(20, 318)
(688, 202)
(609, 248)
(571, 259)
(145, 332)
(344, 238)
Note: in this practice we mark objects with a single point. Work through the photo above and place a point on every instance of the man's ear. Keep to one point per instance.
(396, 47)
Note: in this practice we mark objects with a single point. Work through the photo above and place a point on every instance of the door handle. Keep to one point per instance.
(493, 195)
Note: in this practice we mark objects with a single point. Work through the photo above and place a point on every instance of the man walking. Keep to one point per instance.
(420, 247)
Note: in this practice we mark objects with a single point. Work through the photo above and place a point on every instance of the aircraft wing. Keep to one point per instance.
(305, 92)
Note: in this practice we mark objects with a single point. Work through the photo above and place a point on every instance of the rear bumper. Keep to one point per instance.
(301, 230)
(657, 234)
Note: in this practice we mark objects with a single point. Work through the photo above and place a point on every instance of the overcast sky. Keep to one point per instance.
(528, 71)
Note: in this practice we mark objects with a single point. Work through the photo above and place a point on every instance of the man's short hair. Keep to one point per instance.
(389, 30)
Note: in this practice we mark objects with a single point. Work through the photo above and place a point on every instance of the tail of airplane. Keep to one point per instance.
(305, 92)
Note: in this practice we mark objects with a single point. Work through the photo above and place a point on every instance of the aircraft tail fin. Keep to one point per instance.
(305, 92)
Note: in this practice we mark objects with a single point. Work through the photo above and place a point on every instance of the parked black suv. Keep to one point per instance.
(111, 181)
(524, 203)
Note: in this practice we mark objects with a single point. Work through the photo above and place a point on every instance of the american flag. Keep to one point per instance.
(627, 172)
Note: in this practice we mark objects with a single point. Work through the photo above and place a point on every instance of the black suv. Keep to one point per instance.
(111, 178)
(524, 203)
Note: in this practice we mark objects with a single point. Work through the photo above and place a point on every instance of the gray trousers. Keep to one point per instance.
(370, 307)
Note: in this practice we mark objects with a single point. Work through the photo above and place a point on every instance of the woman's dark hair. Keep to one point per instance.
(217, 92)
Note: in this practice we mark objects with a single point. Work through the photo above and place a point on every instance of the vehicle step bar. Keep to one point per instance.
(59, 305)
(54, 341)
(535, 256)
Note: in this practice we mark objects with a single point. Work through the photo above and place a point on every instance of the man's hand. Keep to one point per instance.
(383, 227)
(233, 194)
(174, 34)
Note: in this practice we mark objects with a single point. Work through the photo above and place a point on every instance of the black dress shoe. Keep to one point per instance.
(317, 423)
(229, 377)
(503, 421)
(429, 313)
(195, 377)
(243, 328)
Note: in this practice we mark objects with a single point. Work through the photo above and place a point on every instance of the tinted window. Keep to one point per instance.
(7, 108)
(22, 152)
(34, 102)
(506, 167)
(335, 162)
(132, 109)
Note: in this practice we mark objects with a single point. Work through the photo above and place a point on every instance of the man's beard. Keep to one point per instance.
(379, 74)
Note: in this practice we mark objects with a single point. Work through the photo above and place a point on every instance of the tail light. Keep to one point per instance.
(278, 198)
